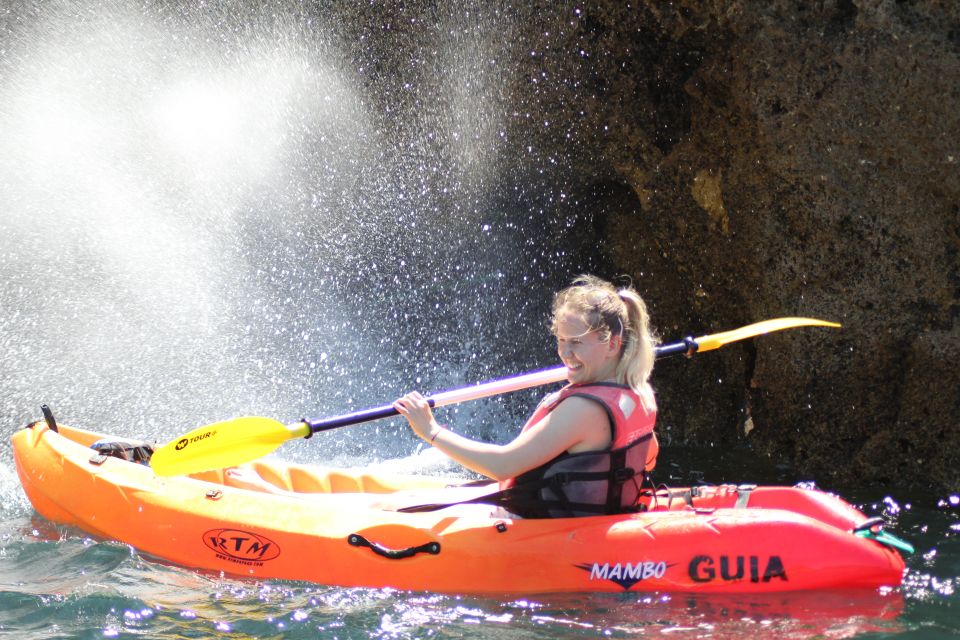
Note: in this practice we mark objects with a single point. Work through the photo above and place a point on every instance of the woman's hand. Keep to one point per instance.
(577, 424)
(415, 408)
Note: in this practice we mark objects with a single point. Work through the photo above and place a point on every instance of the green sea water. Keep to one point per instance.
(58, 582)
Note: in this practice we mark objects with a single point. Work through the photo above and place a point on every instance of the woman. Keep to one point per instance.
(586, 448)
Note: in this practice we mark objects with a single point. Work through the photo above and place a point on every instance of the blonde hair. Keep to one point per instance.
(615, 312)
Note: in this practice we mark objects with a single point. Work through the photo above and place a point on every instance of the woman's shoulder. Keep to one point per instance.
(580, 406)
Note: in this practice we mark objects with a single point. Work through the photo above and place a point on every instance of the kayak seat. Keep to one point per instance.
(308, 479)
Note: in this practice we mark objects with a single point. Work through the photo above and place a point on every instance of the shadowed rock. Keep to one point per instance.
(772, 159)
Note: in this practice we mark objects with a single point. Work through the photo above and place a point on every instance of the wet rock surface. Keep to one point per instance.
(781, 159)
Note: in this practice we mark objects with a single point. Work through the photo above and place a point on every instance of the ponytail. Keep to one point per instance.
(636, 359)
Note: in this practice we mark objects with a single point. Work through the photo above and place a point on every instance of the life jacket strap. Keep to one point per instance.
(526, 499)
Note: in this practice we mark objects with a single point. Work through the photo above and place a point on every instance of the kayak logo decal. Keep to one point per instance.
(183, 442)
(735, 568)
(241, 547)
(626, 574)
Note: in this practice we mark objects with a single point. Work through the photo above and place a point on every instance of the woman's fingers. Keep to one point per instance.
(410, 402)
(416, 409)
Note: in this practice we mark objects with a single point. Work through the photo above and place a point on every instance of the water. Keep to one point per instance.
(58, 582)
(217, 209)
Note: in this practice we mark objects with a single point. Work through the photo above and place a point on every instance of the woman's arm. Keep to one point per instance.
(576, 424)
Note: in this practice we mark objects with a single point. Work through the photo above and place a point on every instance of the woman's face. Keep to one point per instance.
(586, 356)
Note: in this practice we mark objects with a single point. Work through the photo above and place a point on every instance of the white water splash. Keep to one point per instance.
(207, 213)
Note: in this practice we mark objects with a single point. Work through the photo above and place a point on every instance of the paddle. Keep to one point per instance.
(233, 442)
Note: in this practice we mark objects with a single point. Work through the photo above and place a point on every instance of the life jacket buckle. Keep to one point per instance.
(623, 474)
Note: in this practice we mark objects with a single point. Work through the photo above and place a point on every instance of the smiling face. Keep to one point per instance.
(587, 357)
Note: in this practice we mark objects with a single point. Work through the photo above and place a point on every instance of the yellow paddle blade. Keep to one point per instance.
(223, 444)
(717, 340)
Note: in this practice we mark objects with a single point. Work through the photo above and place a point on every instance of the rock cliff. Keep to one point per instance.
(754, 160)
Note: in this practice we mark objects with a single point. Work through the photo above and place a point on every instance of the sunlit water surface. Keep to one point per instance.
(58, 582)
(217, 209)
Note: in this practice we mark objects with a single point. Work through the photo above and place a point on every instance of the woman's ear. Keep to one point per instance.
(615, 343)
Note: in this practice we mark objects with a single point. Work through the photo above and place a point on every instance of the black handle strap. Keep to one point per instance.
(357, 540)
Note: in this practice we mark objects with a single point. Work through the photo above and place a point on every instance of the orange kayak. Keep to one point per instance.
(341, 527)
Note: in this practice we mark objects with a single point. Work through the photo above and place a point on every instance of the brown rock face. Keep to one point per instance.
(777, 159)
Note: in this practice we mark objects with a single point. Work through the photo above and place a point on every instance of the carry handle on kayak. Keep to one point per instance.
(240, 440)
(357, 540)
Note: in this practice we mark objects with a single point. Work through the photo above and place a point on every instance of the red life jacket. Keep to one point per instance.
(590, 482)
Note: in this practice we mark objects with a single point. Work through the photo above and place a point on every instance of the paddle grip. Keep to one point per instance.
(688, 347)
